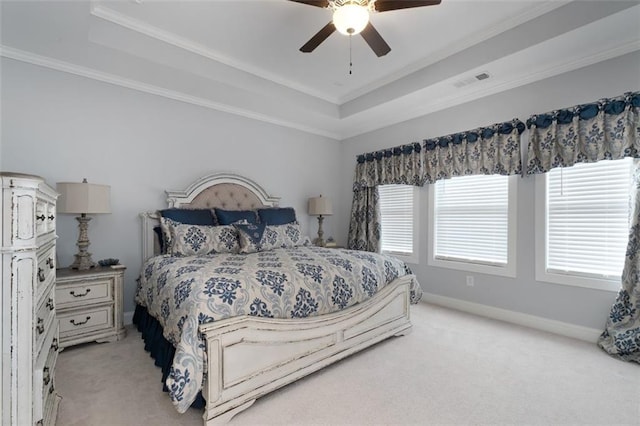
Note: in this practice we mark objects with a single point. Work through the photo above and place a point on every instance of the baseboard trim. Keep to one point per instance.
(539, 323)
(128, 318)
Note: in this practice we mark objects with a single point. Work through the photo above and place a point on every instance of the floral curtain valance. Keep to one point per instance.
(487, 150)
(607, 129)
(399, 165)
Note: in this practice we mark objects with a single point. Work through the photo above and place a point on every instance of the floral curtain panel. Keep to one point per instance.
(605, 130)
(486, 150)
(399, 165)
(621, 337)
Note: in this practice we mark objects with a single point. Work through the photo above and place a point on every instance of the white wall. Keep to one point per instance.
(580, 306)
(65, 128)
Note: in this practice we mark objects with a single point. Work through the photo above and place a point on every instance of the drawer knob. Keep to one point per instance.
(54, 344)
(50, 304)
(50, 263)
(51, 217)
(73, 321)
(42, 217)
(40, 326)
(47, 376)
(73, 293)
(41, 276)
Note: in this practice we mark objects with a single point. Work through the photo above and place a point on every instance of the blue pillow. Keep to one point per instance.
(190, 216)
(229, 217)
(160, 235)
(277, 216)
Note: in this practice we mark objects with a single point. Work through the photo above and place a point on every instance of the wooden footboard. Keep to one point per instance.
(248, 357)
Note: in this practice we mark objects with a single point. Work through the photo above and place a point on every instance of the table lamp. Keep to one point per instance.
(83, 198)
(321, 207)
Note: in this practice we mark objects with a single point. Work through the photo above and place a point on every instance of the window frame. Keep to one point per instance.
(508, 270)
(541, 273)
(414, 257)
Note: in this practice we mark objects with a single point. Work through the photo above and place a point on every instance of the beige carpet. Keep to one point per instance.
(454, 368)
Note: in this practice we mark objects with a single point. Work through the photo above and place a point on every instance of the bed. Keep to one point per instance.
(239, 333)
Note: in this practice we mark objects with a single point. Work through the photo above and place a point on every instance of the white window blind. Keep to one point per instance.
(588, 218)
(396, 211)
(471, 219)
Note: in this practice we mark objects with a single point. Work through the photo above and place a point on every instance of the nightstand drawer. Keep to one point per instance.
(84, 321)
(84, 293)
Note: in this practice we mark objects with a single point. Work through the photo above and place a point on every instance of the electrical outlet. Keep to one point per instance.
(470, 281)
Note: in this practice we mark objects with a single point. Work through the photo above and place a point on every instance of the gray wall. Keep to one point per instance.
(580, 306)
(65, 128)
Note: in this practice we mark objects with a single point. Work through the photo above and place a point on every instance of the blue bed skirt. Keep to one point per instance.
(158, 347)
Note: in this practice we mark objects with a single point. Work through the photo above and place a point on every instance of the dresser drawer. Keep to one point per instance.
(46, 273)
(77, 322)
(43, 375)
(45, 213)
(84, 293)
(44, 319)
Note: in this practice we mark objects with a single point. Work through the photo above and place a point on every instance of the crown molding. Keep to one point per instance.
(199, 49)
(58, 65)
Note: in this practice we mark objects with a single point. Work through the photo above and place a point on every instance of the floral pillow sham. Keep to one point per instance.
(260, 237)
(198, 240)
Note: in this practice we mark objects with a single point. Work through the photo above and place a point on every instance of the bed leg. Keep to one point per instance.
(225, 417)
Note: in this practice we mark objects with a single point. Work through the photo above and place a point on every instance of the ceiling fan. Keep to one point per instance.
(351, 17)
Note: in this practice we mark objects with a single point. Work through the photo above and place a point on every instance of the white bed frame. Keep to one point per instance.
(248, 357)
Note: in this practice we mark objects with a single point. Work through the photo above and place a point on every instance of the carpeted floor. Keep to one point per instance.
(454, 368)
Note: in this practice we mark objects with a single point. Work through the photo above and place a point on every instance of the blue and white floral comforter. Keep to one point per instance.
(183, 292)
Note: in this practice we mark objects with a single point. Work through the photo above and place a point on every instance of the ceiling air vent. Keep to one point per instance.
(471, 80)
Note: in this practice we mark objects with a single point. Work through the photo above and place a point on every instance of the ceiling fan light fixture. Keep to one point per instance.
(350, 19)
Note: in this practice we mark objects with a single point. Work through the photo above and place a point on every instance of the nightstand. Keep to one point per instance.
(89, 305)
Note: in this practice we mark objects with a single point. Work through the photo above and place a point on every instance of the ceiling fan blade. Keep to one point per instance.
(318, 38)
(317, 3)
(387, 5)
(375, 40)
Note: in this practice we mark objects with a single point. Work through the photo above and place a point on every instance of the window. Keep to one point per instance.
(398, 212)
(584, 214)
(472, 224)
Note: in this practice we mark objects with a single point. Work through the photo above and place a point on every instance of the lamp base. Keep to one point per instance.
(83, 257)
(83, 262)
(319, 241)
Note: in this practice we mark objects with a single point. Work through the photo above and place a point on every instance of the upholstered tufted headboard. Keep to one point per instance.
(223, 190)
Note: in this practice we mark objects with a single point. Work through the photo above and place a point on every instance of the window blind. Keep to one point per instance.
(471, 216)
(396, 211)
(588, 218)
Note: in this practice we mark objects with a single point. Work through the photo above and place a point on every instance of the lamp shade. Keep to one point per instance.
(320, 206)
(83, 197)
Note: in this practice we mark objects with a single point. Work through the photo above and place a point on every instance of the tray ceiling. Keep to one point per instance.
(242, 57)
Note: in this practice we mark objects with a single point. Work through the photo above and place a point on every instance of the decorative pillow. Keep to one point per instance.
(199, 240)
(229, 217)
(161, 240)
(262, 237)
(166, 228)
(190, 216)
(277, 215)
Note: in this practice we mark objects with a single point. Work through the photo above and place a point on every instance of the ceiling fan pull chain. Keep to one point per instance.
(350, 61)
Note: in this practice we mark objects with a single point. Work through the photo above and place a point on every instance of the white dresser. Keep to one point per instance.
(27, 301)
